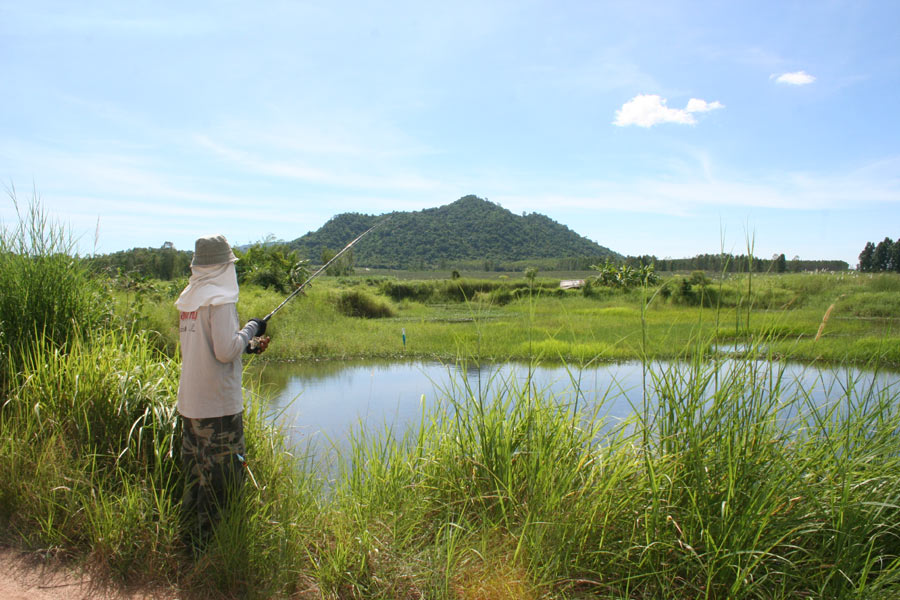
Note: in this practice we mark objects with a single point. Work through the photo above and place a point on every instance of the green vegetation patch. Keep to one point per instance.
(578, 352)
(881, 304)
(876, 350)
(622, 312)
(359, 303)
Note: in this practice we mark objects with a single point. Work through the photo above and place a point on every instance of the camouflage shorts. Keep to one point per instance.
(213, 472)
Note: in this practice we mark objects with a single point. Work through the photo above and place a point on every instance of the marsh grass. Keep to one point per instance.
(88, 434)
(45, 292)
(91, 471)
(500, 324)
(729, 480)
(732, 484)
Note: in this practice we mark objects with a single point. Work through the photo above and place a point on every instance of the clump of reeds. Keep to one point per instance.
(45, 291)
(90, 443)
(732, 483)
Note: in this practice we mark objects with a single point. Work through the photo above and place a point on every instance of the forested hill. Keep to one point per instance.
(467, 231)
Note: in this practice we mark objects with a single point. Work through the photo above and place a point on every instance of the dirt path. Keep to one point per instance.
(25, 576)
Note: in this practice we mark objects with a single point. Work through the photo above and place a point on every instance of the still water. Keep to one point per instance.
(321, 402)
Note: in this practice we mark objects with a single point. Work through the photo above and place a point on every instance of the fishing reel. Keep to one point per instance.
(258, 344)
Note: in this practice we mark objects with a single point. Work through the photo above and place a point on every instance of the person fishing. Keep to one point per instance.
(210, 399)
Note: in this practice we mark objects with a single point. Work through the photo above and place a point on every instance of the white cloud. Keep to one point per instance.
(796, 78)
(697, 105)
(647, 110)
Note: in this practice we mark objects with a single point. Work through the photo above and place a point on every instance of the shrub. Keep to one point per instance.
(502, 296)
(357, 303)
(625, 276)
(685, 292)
(420, 291)
(269, 265)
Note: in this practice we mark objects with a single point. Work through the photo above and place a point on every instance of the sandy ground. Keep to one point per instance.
(26, 576)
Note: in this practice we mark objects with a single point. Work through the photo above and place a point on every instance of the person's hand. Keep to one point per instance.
(260, 326)
(258, 344)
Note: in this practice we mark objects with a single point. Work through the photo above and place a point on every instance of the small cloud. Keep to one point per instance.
(697, 105)
(795, 78)
(647, 110)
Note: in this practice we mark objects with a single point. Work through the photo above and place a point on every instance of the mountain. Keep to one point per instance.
(466, 231)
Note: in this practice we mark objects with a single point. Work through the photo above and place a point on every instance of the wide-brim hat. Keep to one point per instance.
(212, 250)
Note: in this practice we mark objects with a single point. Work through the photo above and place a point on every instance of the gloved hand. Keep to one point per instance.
(261, 326)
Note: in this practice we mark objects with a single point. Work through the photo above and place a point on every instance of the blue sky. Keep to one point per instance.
(666, 128)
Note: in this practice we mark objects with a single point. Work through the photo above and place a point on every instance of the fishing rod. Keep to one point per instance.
(321, 269)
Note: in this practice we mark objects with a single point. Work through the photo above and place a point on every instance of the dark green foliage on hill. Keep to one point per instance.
(162, 263)
(468, 230)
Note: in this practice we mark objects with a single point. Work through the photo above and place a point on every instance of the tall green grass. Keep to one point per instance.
(91, 469)
(731, 485)
(514, 321)
(45, 292)
(729, 481)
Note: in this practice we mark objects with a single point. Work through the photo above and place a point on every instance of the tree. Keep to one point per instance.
(867, 258)
(342, 266)
(881, 259)
(269, 265)
(895, 256)
(780, 263)
(167, 261)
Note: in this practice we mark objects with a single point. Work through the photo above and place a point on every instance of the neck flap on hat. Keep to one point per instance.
(209, 286)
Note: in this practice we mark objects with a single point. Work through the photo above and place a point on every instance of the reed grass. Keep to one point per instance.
(729, 480)
(731, 484)
(45, 292)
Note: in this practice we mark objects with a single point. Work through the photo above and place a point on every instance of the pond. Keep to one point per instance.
(320, 402)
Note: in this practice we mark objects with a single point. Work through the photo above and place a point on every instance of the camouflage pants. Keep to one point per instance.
(213, 472)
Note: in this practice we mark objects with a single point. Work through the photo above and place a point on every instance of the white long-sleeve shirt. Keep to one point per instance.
(211, 346)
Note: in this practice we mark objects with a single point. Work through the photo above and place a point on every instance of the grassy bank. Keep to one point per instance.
(727, 483)
(832, 318)
(723, 486)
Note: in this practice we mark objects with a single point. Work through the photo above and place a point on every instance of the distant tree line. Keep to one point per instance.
(741, 263)
(881, 257)
(259, 263)
(164, 262)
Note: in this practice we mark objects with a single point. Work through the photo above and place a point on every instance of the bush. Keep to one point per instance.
(356, 303)
(269, 265)
(686, 293)
(420, 291)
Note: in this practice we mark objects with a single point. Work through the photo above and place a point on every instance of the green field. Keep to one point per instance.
(506, 319)
(725, 485)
